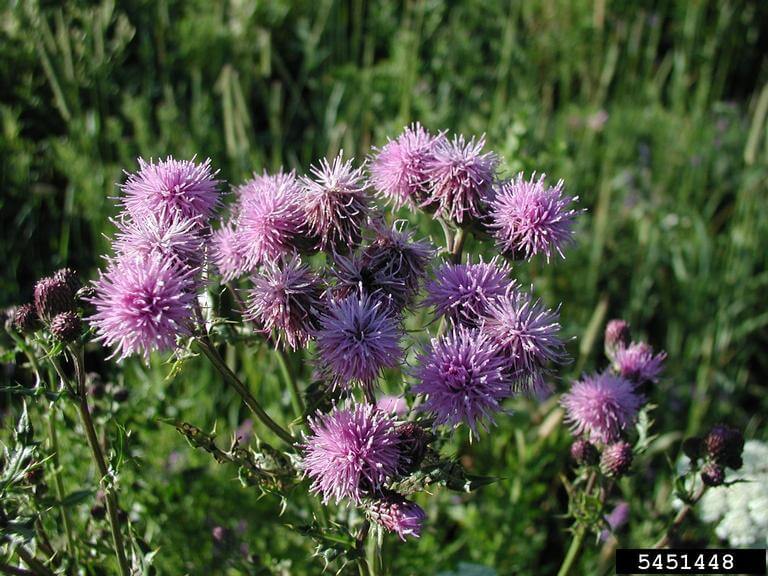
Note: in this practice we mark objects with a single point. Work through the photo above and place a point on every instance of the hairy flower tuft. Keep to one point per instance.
(336, 204)
(350, 452)
(174, 187)
(601, 406)
(143, 306)
(528, 217)
(227, 253)
(460, 176)
(358, 337)
(164, 235)
(285, 300)
(399, 168)
(462, 374)
(638, 363)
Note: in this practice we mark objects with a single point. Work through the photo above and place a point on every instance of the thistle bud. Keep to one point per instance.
(69, 277)
(616, 459)
(53, 296)
(66, 326)
(584, 452)
(25, 319)
(692, 448)
(712, 474)
(413, 441)
(723, 446)
(397, 514)
(616, 335)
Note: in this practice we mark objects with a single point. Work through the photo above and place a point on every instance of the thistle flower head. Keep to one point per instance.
(69, 277)
(601, 406)
(462, 292)
(393, 405)
(723, 445)
(584, 452)
(336, 204)
(182, 187)
(712, 474)
(463, 376)
(227, 253)
(528, 217)
(528, 332)
(270, 220)
(394, 251)
(52, 296)
(638, 363)
(165, 235)
(143, 306)
(358, 337)
(396, 514)
(285, 301)
(350, 452)
(399, 168)
(353, 275)
(460, 177)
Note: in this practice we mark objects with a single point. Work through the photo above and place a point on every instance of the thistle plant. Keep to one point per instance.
(318, 268)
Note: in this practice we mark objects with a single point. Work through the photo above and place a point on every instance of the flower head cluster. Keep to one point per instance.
(399, 169)
(462, 375)
(638, 363)
(350, 452)
(528, 217)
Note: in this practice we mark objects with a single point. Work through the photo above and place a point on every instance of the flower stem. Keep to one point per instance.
(293, 387)
(58, 482)
(458, 245)
(101, 463)
(664, 541)
(573, 551)
(232, 379)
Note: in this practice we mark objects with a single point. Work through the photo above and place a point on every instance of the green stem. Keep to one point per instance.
(573, 551)
(58, 483)
(664, 541)
(232, 379)
(293, 387)
(34, 564)
(458, 245)
(101, 463)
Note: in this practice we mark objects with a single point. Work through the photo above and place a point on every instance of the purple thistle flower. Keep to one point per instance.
(463, 376)
(336, 204)
(617, 335)
(395, 254)
(393, 405)
(460, 177)
(357, 339)
(270, 220)
(399, 168)
(528, 332)
(353, 276)
(182, 187)
(398, 515)
(285, 300)
(143, 306)
(227, 253)
(527, 217)
(350, 452)
(164, 235)
(601, 406)
(638, 363)
(462, 292)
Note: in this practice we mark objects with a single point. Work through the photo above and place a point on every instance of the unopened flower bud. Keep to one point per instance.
(397, 514)
(69, 277)
(413, 441)
(584, 452)
(692, 448)
(616, 459)
(712, 474)
(616, 335)
(66, 326)
(723, 446)
(25, 319)
(53, 296)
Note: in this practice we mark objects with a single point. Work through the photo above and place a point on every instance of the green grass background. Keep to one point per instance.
(654, 113)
